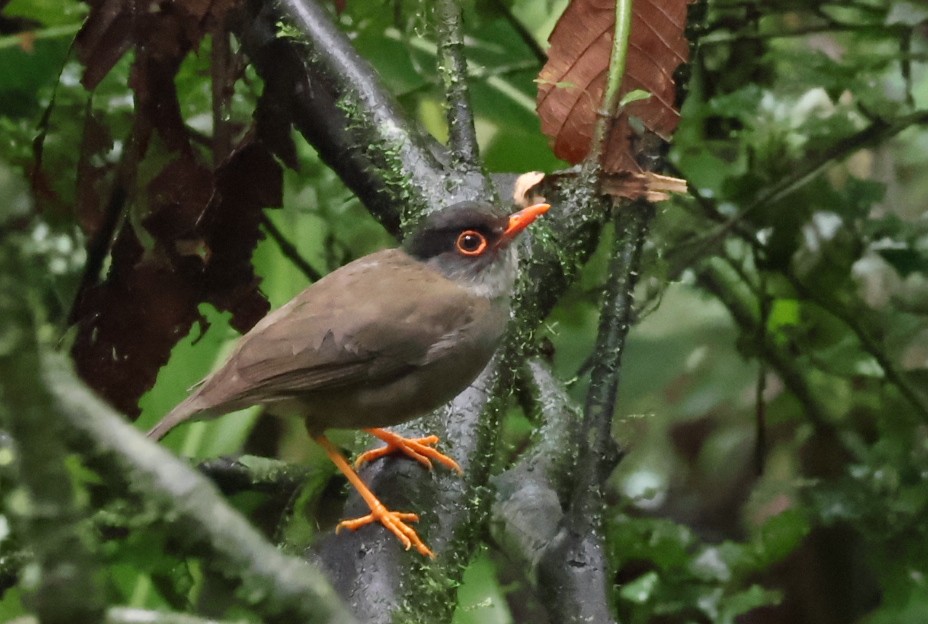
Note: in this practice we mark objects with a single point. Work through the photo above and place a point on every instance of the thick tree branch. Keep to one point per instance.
(584, 585)
(47, 512)
(530, 496)
(284, 589)
(336, 100)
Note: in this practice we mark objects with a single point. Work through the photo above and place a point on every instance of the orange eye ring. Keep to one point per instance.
(471, 243)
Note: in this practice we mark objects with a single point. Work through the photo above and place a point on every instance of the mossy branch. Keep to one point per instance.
(337, 102)
(284, 589)
(369, 563)
(45, 506)
(452, 69)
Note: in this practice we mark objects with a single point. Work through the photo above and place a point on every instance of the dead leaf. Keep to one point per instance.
(201, 221)
(571, 84)
(634, 185)
(524, 193)
(627, 184)
(128, 324)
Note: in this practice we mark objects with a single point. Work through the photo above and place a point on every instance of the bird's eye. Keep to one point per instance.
(471, 243)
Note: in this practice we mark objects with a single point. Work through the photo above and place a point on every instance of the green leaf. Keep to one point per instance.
(907, 14)
(784, 314)
(635, 95)
(642, 589)
(781, 535)
(742, 602)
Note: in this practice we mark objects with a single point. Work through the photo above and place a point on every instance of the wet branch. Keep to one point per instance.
(530, 497)
(395, 172)
(583, 586)
(336, 101)
(452, 68)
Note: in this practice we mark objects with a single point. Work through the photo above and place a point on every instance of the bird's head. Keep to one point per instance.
(470, 242)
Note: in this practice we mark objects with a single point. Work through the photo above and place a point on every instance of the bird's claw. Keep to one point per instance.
(419, 449)
(395, 522)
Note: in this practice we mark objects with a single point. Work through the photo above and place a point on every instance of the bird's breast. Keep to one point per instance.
(418, 389)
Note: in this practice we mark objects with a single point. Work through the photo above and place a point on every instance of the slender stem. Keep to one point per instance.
(853, 321)
(221, 68)
(877, 132)
(452, 68)
(527, 37)
(289, 250)
(631, 224)
(875, 29)
(581, 542)
(609, 108)
(760, 405)
(715, 281)
(252, 473)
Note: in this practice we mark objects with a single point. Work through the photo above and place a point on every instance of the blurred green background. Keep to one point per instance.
(786, 295)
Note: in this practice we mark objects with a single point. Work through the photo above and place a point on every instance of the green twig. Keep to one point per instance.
(609, 109)
(713, 279)
(871, 345)
(524, 34)
(875, 133)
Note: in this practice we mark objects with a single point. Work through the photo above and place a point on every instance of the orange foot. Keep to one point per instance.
(395, 521)
(419, 449)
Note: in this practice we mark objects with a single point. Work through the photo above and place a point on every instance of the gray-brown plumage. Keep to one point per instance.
(383, 339)
(386, 338)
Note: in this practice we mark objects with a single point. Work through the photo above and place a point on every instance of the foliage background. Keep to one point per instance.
(784, 299)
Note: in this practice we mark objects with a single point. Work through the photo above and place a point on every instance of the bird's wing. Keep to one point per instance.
(350, 327)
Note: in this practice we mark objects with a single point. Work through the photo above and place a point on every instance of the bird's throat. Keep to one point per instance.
(491, 277)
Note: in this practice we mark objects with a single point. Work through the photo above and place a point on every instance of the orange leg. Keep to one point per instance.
(394, 521)
(419, 449)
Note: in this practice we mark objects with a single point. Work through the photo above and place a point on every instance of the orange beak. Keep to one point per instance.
(520, 220)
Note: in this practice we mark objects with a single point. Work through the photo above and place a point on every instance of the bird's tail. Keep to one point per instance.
(188, 409)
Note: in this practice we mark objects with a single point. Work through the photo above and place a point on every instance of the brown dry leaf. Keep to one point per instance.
(571, 83)
(201, 220)
(651, 186)
(629, 184)
(128, 324)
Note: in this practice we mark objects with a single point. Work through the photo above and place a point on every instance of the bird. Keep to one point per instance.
(386, 338)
